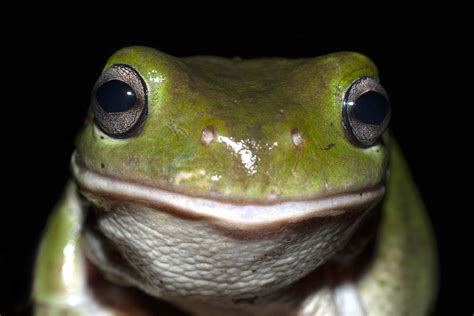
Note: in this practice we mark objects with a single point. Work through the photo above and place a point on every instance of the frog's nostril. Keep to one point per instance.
(208, 135)
(297, 138)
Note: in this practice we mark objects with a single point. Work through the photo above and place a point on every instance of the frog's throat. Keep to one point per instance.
(231, 212)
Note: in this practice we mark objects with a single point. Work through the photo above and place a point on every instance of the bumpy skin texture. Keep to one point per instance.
(277, 136)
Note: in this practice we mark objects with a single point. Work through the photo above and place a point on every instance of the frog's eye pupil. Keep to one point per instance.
(115, 96)
(371, 108)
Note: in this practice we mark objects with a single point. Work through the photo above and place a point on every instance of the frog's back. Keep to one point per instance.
(250, 76)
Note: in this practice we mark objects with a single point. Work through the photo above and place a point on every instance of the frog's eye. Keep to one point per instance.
(366, 112)
(119, 101)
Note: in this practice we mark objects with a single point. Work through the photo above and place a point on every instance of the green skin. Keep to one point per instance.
(256, 104)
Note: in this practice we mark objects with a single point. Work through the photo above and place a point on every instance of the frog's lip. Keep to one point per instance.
(241, 212)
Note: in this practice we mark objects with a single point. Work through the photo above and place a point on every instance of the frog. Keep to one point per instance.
(207, 185)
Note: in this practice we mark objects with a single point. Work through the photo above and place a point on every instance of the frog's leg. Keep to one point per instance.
(402, 277)
(67, 283)
(60, 280)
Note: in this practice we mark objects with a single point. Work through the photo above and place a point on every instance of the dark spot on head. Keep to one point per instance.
(102, 165)
(329, 146)
(101, 137)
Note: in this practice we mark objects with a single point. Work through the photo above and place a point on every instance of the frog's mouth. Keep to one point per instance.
(229, 211)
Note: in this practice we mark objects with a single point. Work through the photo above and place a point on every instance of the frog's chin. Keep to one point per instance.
(230, 212)
(185, 248)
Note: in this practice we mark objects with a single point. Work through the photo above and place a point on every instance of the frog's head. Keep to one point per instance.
(260, 148)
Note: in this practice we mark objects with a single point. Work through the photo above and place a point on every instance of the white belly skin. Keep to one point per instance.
(188, 260)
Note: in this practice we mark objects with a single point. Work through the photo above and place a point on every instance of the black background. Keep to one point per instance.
(65, 48)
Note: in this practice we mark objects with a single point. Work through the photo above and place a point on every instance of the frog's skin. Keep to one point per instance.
(239, 193)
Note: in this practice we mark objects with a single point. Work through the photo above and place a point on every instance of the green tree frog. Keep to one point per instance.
(216, 186)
